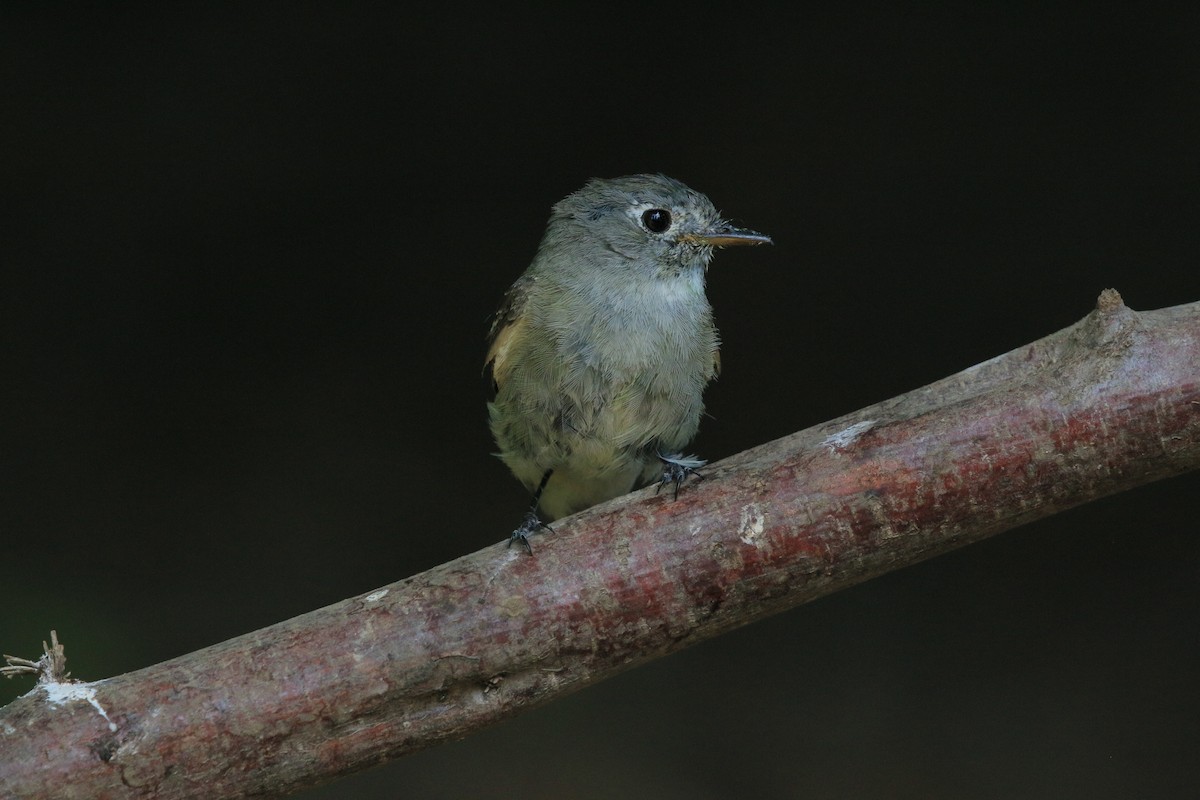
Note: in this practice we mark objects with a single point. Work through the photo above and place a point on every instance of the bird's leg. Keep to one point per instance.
(677, 468)
(531, 522)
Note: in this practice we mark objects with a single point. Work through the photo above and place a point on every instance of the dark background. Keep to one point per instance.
(249, 255)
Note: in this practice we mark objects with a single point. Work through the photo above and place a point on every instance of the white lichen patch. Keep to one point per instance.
(61, 693)
(839, 441)
(752, 524)
(376, 596)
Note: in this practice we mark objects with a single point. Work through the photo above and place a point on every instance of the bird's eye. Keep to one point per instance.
(657, 220)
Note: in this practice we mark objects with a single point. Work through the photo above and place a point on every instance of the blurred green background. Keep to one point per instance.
(250, 252)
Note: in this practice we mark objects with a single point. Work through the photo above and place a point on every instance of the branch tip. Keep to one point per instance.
(50, 668)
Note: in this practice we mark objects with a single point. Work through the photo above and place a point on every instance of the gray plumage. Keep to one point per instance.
(601, 350)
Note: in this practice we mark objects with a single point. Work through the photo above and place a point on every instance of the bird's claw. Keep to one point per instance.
(529, 525)
(676, 470)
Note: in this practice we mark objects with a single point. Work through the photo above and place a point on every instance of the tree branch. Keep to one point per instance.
(1107, 404)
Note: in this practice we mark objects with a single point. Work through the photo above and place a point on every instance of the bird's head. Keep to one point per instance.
(646, 225)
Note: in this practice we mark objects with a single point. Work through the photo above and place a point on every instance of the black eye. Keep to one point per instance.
(657, 220)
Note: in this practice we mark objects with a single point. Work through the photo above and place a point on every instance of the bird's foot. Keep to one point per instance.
(676, 469)
(529, 525)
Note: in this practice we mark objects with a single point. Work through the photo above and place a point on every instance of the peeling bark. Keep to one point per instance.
(1105, 405)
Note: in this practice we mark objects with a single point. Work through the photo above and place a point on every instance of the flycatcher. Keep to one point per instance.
(601, 350)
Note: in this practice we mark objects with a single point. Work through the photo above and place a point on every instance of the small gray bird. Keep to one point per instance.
(600, 352)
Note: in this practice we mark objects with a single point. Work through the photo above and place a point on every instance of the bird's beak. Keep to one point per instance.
(725, 235)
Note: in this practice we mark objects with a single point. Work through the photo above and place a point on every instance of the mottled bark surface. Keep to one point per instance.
(1107, 404)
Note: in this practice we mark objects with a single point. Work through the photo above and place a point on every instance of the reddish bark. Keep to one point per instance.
(1105, 405)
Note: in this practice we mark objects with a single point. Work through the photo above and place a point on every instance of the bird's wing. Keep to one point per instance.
(508, 326)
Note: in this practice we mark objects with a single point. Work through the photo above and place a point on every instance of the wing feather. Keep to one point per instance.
(508, 326)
